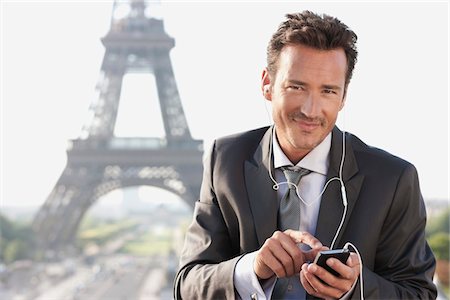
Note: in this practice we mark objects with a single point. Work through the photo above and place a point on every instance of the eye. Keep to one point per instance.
(295, 87)
(329, 91)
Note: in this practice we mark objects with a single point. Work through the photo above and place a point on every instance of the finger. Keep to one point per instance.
(288, 256)
(350, 270)
(265, 264)
(304, 281)
(353, 260)
(322, 282)
(309, 282)
(278, 259)
(304, 237)
(338, 282)
(310, 255)
(292, 250)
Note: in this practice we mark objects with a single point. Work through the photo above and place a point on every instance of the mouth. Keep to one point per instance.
(306, 125)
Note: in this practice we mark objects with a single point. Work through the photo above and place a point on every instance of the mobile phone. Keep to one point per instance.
(340, 254)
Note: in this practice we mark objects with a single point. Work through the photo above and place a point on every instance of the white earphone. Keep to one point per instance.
(343, 191)
(344, 201)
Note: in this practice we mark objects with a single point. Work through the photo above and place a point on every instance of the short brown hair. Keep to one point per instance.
(317, 31)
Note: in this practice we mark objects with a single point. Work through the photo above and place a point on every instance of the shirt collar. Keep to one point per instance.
(317, 160)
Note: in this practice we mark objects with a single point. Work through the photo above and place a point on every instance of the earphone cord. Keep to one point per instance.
(361, 281)
(276, 184)
(343, 192)
(344, 202)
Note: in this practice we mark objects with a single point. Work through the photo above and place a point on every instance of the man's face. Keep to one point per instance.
(307, 92)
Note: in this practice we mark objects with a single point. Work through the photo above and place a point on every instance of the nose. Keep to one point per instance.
(311, 106)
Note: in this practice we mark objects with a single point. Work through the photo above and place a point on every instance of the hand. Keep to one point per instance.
(334, 287)
(280, 254)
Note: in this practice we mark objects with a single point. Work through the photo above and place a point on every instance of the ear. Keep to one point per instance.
(266, 85)
(343, 99)
(342, 103)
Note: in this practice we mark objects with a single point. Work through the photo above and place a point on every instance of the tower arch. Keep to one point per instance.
(99, 162)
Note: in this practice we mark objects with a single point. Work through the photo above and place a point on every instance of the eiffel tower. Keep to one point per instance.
(101, 162)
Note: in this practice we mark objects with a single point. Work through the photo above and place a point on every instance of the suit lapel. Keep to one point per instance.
(331, 207)
(263, 198)
(261, 195)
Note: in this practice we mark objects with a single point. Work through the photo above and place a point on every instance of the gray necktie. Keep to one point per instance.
(289, 210)
(289, 218)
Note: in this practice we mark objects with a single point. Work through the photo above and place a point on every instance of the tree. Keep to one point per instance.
(439, 223)
(440, 243)
(15, 250)
(16, 240)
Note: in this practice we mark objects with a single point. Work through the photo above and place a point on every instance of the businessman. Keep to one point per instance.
(272, 198)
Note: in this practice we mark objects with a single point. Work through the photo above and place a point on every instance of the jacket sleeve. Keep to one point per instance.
(405, 264)
(207, 261)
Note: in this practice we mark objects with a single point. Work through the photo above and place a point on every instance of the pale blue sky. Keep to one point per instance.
(51, 55)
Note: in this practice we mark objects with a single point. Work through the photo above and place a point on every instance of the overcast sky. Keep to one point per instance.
(51, 55)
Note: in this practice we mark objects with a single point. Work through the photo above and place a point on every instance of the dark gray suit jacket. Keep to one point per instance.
(237, 212)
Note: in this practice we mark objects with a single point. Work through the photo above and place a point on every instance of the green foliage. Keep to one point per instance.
(103, 232)
(16, 250)
(6, 228)
(16, 240)
(440, 244)
(438, 234)
(149, 244)
(88, 223)
(146, 249)
(439, 223)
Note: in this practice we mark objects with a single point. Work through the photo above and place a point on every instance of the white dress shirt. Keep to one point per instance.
(310, 188)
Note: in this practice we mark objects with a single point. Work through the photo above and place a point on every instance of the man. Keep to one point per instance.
(249, 239)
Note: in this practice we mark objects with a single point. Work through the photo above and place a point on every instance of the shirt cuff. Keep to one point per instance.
(246, 282)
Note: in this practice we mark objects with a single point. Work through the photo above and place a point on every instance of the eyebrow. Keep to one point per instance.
(297, 82)
(325, 86)
(331, 87)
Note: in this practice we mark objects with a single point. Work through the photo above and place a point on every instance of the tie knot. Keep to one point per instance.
(294, 174)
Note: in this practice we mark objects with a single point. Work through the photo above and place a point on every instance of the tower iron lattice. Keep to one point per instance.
(99, 162)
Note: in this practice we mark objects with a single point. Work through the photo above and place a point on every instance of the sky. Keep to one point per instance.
(50, 65)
